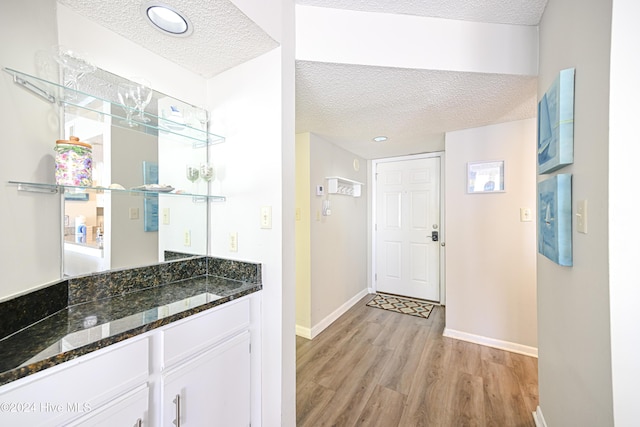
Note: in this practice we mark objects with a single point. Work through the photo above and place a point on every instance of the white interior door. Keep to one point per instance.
(407, 215)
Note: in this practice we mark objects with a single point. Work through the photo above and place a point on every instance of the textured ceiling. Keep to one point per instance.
(222, 38)
(348, 104)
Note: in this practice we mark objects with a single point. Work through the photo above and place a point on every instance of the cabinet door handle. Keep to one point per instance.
(139, 422)
(177, 402)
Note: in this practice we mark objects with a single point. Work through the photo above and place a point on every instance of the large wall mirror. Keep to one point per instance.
(148, 197)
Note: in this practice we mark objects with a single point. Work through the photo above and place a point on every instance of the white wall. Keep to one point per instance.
(380, 39)
(250, 167)
(624, 252)
(490, 254)
(337, 244)
(338, 241)
(131, 245)
(574, 336)
(29, 222)
(303, 234)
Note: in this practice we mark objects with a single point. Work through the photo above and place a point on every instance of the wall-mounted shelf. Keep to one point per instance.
(59, 189)
(348, 187)
(102, 104)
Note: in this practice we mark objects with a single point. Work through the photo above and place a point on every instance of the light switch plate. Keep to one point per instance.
(233, 242)
(581, 217)
(525, 215)
(265, 217)
(134, 213)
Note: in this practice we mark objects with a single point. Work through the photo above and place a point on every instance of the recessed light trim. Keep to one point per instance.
(380, 139)
(167, 19)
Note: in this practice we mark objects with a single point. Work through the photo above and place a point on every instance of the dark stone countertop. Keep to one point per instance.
(80, 329)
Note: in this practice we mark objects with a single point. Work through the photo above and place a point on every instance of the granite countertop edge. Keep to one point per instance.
(65, 356)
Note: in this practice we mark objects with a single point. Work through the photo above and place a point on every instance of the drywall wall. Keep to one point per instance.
(380, 39)
(574, 338)
(131, 245)
(490, 253)
(303, 235)
(29, 222)
(338, 241)
(624, 252)
(249, 166)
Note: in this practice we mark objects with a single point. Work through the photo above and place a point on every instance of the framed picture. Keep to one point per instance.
(485, 177)
(554, 219)
(555, 124)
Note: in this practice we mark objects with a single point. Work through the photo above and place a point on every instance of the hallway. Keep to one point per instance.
(373, 367)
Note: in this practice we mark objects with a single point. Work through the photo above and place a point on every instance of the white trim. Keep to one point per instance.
(491, 342)
(303, 332)
(372, 209)
(324, 323)
(538, 418)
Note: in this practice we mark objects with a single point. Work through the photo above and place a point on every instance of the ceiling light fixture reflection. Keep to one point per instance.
(166, 19)
(380, 139)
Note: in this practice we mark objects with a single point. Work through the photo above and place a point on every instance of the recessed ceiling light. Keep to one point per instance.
(166, 19)
(380, 138)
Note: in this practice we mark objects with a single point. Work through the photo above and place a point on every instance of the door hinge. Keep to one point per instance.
(376, 277)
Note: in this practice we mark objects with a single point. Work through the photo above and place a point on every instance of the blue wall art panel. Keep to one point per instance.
(554, 219)
(150, 176)
(555, 124)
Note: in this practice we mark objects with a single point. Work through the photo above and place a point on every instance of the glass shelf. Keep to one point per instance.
(104, 105)
(54, 189)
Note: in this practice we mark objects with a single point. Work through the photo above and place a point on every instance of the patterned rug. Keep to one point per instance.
(401, 305)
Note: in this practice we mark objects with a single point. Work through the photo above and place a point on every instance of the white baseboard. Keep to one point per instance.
(303, 332)
(324, 323)
(538, 418)
(491, 342)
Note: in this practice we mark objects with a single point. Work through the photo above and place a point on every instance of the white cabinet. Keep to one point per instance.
(212, 389)
(194, 334)
(205, 359)
(75, 389)
(130, 410)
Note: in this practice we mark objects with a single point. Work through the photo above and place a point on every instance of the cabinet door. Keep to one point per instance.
(213, 388)
(129, 410)
(73, 389)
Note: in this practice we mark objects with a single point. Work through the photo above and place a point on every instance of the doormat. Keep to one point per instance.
(402, 305)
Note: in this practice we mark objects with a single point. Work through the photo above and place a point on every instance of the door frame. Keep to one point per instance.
(372, 209)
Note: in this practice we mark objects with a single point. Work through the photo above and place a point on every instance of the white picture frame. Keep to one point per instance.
(485, 177)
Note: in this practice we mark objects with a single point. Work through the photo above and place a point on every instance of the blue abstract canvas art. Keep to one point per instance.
(554, 219)
(555, 124)
(150, 176)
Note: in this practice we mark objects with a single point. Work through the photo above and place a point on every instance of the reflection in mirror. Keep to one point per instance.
(113, 229)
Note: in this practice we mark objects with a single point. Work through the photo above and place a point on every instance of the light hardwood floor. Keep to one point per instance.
(373, 367)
